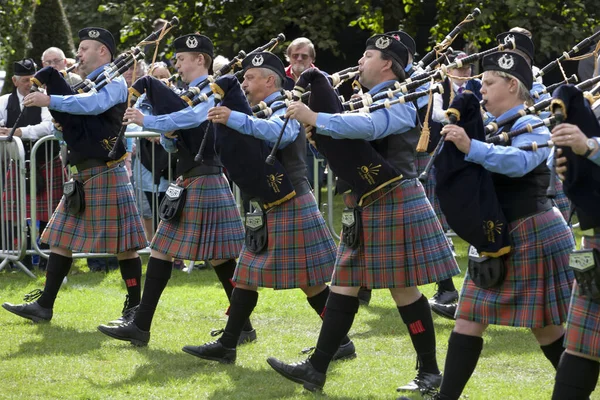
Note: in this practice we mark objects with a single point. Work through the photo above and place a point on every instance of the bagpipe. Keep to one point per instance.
(585, 43)
(466, 190)
(582, 178)
(355, 162)
(244, 156)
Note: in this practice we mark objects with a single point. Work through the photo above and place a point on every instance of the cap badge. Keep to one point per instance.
(506, 62)
(94, 34)
(509, 38)
(258, 60)
(191, 42)
(382, 43)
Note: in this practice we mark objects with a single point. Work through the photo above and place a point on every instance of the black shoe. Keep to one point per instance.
(32, 311)
(364, 296)
(344, 352)
(444, 297)
(245, 336)
(128, 332)
(302, 372)
(127, 314)
(213, 351)
(444, 310)
(424, 382)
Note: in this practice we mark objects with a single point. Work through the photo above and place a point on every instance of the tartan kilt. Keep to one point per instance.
(49, 197)
(300, 250)
(583, 323)
(110, 222)
(209, 227)
(421, 162)
(538, 281)
(402, 243)
(562, 201)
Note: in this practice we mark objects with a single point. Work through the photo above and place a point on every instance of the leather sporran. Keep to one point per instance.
(74, 197)
(172, 204)
(351, 227)
(486, 272)
(585, 265)
(257, 237)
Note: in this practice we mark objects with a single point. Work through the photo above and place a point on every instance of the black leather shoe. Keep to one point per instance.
(444, 310)
(302, 372)
(345, 352)
(364, 296)
(32, 311)
(247, 337)
(213, 351)
(128, 332)
(444, 297)
(424, 382)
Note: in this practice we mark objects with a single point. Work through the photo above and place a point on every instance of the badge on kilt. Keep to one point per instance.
(69, 188)
(582, 260)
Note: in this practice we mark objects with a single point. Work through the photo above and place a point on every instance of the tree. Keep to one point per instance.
(50, 28)
(15, 18)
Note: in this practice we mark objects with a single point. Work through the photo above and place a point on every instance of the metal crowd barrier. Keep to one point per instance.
(13, 207)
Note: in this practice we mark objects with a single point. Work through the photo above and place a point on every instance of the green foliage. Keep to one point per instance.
(556, 26)
(50, 29)
(15, 18)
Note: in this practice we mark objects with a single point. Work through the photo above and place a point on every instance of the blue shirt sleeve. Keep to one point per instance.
(91, 103)
(399, 118)
(170, 145)
(596, 157)
(189, 117)
(509, 160)
(265, 129)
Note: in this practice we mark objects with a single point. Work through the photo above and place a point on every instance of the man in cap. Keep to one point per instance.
(394, 253)
(97, 213)
(283, 264)
(35, 123)
(209, 226)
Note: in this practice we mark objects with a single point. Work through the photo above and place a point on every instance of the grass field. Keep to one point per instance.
(68, 358)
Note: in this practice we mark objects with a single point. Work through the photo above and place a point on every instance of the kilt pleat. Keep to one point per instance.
(583, 323)
(300, 250)
(538, 282)
(209, 227)
(46, 200)
(110, 223)
(402, 245)
(562, 201)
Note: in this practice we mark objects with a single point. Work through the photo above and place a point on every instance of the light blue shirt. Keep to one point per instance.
(187, 118)
(421, 101)
(265, 129)
(538, 88)
(92, 103)
(397, 119)
(509, 160)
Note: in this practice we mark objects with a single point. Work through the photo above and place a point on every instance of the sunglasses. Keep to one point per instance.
(296, 56)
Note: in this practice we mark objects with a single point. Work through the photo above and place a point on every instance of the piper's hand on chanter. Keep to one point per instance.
(309, 129)
(301, 113)
(458, 136)
(219, 115)
(570, 136)
(133, 116)
(37, 99)
(561, 164)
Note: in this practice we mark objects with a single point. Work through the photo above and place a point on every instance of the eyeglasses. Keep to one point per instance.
(56, 61)
(300, 55)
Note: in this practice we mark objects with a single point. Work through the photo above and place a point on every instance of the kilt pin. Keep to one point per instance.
(583, 324)
(209, 227)
(402, 243)
(538, 281)
(300, 251)
(110, 222)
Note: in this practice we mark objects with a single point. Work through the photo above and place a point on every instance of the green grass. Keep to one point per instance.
(68, 358)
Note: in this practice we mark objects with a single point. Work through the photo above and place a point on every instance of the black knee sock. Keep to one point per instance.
(446, 285)
(242, 302)
(576, 378)
(58, 267)
(337, 321)
(157, 276)
(318, 301)
(417, 317)
(131, 272)
(554, 350)
(225, 274)
(461, 360)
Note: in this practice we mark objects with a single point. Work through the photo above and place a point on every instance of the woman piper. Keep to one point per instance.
(536, 288)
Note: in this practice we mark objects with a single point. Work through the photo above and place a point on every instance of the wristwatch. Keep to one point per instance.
(591, 146)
